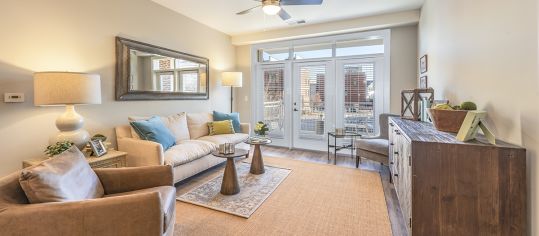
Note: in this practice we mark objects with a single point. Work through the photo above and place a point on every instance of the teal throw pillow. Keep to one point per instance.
(234, 117)
(154, 130)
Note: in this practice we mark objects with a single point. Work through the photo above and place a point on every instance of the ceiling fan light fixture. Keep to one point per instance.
(271, 9)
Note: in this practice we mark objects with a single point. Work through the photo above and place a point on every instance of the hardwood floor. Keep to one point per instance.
(398, 226)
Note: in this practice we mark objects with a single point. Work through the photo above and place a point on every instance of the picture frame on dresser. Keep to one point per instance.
(98, 148)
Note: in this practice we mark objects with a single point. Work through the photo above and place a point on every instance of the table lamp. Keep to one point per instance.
(232, 80)
(67, 89)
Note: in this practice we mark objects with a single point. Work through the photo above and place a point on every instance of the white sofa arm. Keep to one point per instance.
(142, 152)
(245, 128)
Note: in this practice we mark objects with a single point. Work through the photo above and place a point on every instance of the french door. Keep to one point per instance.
(302, 101)
(313, 96)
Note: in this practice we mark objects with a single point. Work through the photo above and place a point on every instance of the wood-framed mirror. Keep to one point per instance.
(149, 72)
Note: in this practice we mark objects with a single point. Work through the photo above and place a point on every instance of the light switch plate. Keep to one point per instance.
(13, 97)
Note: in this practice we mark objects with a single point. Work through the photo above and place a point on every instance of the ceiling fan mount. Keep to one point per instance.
(274, 7)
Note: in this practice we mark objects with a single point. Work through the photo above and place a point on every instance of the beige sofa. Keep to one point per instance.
(192, 152)
(137, 201)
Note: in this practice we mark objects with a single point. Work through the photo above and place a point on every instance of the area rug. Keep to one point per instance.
(315, 199)
(254, 189)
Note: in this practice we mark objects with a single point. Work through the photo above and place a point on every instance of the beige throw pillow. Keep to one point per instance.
(176, 123)
(65, 177)
(198, 124)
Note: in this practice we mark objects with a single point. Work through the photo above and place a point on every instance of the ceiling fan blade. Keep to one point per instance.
(284, 15)
(301, 2)
(246, 11)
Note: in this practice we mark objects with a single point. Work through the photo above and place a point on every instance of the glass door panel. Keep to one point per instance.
(274, 102)
(357, 110)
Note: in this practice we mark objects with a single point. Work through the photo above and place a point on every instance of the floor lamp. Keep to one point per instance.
(67, 89)
(232, 80)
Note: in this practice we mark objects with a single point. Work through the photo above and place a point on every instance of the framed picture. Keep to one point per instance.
(423, 64)
(423, 82)
(98, 147)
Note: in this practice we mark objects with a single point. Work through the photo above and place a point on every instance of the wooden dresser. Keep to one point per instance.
(448, 187)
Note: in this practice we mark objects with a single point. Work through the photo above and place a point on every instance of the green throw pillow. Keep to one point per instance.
(221, 127)
(235, 117)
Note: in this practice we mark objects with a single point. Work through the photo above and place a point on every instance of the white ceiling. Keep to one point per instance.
(221, 14)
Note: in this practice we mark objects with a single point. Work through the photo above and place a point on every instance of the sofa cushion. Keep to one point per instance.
(168, 200)
(154, 130)
(221, 127)
(198, 124)
(380, 146)
(234, 117)
(187, 151)
(176, 123)
(66, 177)
(226, 138)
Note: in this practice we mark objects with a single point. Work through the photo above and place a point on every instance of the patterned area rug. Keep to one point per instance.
(254, 189)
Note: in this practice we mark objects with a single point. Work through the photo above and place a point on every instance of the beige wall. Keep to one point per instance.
(486, 52)
(403, 63)
(403, 69)
(66, 35)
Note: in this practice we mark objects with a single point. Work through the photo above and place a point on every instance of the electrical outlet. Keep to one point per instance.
(13, 97)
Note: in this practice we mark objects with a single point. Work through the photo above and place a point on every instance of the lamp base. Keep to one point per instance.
(70, 125)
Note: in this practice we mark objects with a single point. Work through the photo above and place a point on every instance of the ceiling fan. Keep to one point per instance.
(274, 7)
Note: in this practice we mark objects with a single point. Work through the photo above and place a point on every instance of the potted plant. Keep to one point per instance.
(449, 118)
(59, 147)
(261, 129)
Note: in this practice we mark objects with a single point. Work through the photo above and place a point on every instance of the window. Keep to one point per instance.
(166, 82)
(274, 114)
(321, 50)
(163, 64)
(189, 82)
(274, 54)
(359, 47)
(359, 98)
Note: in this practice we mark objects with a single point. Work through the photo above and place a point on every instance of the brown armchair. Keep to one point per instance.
(137, 201)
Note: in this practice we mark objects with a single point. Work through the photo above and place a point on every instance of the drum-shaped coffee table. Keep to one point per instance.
(230, 185)
(257, 164)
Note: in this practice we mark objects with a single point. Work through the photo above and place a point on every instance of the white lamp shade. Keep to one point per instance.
(232, 79)
(66, 88)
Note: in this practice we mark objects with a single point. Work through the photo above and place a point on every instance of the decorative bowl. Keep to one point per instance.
(447, 120)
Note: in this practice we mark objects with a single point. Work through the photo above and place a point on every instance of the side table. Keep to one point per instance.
(257, 164)
(336, 148)
(113, 159)
(230, 185)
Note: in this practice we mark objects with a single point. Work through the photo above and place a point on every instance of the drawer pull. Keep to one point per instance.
(396, 175)
(391, 163)
(391, 144)
(397, 153)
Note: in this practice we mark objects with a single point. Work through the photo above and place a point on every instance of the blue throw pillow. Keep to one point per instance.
(235, 117)
(154, 130)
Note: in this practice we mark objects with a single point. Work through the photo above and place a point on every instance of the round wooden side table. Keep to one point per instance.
(230, 185)
(257, 164)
